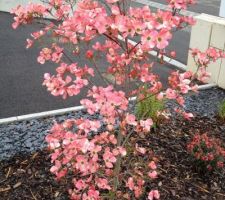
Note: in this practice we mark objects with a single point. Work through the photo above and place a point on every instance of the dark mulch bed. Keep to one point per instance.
(28, 177)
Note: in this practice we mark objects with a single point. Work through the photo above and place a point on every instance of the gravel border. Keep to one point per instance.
(28, 136)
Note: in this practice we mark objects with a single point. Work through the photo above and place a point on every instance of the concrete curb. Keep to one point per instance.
(165, 7)
(67, 110)
(41, 114)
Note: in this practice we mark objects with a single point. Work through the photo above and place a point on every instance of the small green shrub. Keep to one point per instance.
(222, 110)
(149, 108)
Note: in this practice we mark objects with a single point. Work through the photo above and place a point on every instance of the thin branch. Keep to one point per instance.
(100, 74)
(114, 40)
(134, 47)
(68, 58)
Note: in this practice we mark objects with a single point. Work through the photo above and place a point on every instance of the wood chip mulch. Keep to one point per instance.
(26, 177)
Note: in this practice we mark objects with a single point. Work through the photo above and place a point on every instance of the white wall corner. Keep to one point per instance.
(221, 80)
(200, 38)
(201, 33)
(218, 36)
(214, 69)
(209, 31)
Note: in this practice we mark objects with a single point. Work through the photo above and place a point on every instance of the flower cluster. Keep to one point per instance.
(180, 4)
(25, 15)
(203, 59)
(64, 85)
(93, 158)
(54, 54)
(208, 151)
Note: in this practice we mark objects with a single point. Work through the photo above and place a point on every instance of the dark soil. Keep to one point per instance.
(26, 177)
(179, 179)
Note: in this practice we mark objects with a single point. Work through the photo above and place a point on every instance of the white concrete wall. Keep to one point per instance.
(209, 32)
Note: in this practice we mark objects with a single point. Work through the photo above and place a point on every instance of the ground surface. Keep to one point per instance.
(24, 166)
(27, 176)
(28, 136)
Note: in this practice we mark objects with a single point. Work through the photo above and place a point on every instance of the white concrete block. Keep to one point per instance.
(221, 80)
(209, 31)
(191, 65)
(198, 40)
(218, 36)
(8, 120)
(214, 69)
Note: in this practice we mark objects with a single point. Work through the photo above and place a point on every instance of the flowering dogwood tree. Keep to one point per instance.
(105, 156)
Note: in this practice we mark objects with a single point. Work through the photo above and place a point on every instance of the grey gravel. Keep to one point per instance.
(28, 136)
(205, 103)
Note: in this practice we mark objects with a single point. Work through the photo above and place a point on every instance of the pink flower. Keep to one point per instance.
(130, 183)
(122, 151)
(25, 15)
(162, 39)
(171, 94)
(160, 96)
(153, 174)
(89, 54)
(188, 115)
(131, 119)
(94, 151)
(113, 139)
(103, 183)
(149, 38)
(80, 184)
(146, 124)
(45, 54)
(87, 125)
(91, 195)
(180, 4)
(29, 43)
(152, 165)
(81, 164)
(141, 150)
(173, 54)
(153, 194)
(109, 158)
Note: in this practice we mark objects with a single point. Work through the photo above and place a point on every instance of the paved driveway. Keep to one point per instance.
(21, 77)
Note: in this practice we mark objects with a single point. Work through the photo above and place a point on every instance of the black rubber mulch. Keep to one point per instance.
(25, 177)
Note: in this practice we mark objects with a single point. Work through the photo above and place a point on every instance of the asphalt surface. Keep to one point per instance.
(21, 77)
